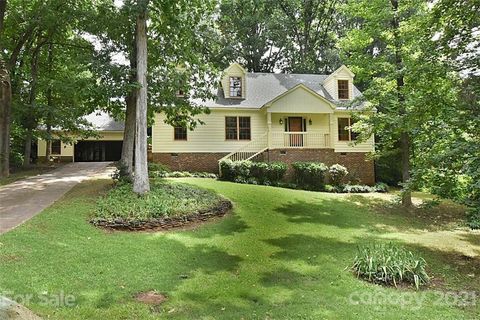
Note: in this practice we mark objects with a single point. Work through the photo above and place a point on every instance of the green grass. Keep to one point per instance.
(282, 254)
(22, 173)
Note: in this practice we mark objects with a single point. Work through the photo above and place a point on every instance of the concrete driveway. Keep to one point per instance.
(21, 200)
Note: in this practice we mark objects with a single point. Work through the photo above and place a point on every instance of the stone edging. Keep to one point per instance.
(164, 223)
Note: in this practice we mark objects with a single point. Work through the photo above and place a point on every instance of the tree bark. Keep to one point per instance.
(400, 83)
(5, 103)
(30, 121)
(141, 184)
(5, 111)
(49, 105)
(128, 145)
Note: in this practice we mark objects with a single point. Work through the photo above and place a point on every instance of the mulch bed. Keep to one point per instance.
(156, 224)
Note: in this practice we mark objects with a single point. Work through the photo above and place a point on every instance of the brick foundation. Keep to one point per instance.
(360, 169)
(194, 162)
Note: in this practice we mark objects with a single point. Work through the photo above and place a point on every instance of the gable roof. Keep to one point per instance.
(264, 87)
(304, 87)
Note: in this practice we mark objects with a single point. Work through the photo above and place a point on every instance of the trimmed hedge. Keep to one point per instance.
(261, 172)
(310, 175)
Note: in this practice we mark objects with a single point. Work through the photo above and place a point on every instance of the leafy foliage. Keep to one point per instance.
(261, 172)
(310, 175)
(336, 174)
(390, 264)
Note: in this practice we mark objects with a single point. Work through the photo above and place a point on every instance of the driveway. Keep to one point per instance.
(21, 200)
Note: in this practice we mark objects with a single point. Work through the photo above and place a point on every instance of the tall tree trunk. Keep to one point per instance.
(141, 184)
(27, 153)
(30, 118)
(49, 105)
(400, 83)
(5, 103)
(128, 145)
(5, 111)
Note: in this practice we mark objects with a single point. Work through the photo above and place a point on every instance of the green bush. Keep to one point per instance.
(389, 264)
(245, 171)
(381, 187)
(164, 200)
(158, 167)
(337, 173)
(264, 172)
(310, 175)
(473, 218)
(357, 188)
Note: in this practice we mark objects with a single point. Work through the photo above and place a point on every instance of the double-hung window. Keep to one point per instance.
(344, 131)
(237, 128)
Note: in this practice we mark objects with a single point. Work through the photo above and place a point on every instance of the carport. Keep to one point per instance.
(94, 151)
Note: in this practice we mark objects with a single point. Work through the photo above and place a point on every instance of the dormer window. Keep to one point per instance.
(235, 87)
(343, 92)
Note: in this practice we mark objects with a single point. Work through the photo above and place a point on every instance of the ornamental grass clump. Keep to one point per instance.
(390, 264)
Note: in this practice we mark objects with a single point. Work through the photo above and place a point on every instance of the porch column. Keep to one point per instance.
(269, 129)
(332, 128)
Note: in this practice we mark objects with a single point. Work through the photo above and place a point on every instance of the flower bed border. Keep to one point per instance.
(219, 210)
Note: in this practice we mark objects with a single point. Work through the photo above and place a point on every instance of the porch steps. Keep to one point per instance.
(249, 150)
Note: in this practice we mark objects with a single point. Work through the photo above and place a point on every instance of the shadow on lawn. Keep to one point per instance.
(226, 226)
(326, 211)
(146, 268)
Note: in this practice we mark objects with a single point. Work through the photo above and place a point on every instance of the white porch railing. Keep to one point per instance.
(249, 150)
(300, 140)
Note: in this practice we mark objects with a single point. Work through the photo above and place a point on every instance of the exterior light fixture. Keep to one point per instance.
(310, 122)
(280, 121)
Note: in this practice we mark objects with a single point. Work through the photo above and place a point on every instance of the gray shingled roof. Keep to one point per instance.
(264, 87)
(102, 121)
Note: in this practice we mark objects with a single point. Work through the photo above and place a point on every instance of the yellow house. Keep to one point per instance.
(272, 117)
(261, 116)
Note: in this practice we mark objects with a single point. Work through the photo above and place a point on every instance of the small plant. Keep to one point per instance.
(310, 175)
(337, 173)
(381, 187)
(389, 264)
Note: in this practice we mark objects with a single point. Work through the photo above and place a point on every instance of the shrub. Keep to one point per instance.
(337, 173)
(381, 187)
(473, 218)
(357, 188)
(389, 264)
(232, 170)
(158, 167)
(310, 175)
(262, 172)
(272, 172)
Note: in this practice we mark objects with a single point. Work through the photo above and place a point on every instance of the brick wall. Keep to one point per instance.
(199, 162)
(358, 166)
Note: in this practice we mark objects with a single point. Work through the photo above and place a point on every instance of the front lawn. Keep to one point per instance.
(281, 254)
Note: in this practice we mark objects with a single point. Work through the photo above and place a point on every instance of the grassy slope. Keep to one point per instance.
(281, 255)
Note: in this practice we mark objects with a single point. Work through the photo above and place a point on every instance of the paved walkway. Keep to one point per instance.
(21, 200)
